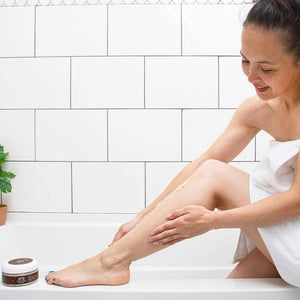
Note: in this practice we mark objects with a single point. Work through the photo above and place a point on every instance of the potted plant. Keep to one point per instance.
(5, 185)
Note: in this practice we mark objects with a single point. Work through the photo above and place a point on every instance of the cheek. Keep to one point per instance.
(280, 83)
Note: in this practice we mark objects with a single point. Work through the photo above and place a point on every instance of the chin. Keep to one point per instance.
(265, 97)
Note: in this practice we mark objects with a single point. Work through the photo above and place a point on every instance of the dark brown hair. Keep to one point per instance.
(281, 15)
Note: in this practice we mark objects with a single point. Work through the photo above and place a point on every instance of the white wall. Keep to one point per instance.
(102, 105)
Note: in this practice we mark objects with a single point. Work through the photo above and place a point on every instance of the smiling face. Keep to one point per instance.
(267, 64)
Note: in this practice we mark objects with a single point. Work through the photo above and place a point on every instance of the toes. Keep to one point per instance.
(50, 277)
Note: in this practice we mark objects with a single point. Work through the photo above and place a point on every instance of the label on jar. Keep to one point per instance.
(19, 280)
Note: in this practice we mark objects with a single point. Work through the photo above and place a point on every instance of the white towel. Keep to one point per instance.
(275, 174)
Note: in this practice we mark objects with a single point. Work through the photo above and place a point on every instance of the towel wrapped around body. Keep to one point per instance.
(275, 174)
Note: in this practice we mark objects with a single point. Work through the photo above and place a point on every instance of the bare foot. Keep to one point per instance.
(90, 272)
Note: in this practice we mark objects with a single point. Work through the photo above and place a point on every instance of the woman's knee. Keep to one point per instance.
(209, 170)
(222, 179)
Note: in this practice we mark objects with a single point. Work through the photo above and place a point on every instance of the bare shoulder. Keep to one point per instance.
(253, 112)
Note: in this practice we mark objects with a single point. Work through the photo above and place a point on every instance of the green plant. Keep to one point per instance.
(5, 177)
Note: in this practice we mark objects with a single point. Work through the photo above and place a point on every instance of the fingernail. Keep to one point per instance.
(169, 215)
(53, 279)
(51, 271)
(151, 240)
(153, 232)
(156, 243)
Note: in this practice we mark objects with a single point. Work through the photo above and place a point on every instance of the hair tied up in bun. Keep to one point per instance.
(281, 15)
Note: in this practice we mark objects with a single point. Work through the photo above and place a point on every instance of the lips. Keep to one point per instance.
(261, 89)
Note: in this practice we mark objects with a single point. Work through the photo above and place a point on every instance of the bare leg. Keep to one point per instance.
(254, 265)
(210, 186)
(111, 267)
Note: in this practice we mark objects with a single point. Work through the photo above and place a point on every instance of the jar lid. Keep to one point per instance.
(19, 265)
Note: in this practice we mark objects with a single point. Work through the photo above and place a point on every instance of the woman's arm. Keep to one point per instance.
(237, 135)
(269, 211)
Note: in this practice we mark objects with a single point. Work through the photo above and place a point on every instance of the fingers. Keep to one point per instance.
(118, 235)
(125, 228)
(177, 213)
(167, 238)
(163, 235)
(165, 226)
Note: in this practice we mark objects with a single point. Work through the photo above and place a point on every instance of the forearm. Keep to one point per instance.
(183, 175)
(269, 211)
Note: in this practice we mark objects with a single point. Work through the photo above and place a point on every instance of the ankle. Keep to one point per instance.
(112, 260)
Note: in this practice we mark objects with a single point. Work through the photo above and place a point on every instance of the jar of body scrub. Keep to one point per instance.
(20, 271)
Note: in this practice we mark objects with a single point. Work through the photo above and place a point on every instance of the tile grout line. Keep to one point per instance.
(72, 202)
(107, 159)
(70, 82)
(34, 34)
(121, 108)
(181, 27)
(117, 161)
(107, 29)
(125, 55)
(218, 82)
(144, 82)
(181, 134)
(145, 185)
(34, 128)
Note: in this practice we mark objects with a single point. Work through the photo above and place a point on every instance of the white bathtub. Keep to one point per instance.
(192, 269)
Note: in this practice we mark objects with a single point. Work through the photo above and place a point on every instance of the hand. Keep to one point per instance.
(125, 228)
(183, 223)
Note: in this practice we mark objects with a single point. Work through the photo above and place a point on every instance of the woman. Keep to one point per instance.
(271, 61)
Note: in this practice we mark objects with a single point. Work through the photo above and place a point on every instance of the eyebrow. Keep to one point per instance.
(261, 61)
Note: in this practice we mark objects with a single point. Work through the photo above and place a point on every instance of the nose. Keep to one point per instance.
(252, 75)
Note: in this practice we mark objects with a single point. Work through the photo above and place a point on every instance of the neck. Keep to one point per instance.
(291, 100)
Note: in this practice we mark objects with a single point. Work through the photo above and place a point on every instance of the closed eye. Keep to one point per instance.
(263, 70)
(266, 71)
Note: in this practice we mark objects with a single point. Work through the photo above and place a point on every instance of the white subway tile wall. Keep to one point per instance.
(35, 83)
(71, 30)
(108, 187)
(94, 82)
(17, 133)
(40, 187)
(17, 31)
(71, 135)
(181, 82)
(144, 30)
(144, 135)
(102, 105)
(211, 29)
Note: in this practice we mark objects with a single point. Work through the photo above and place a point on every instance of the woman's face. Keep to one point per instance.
(267, 65)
